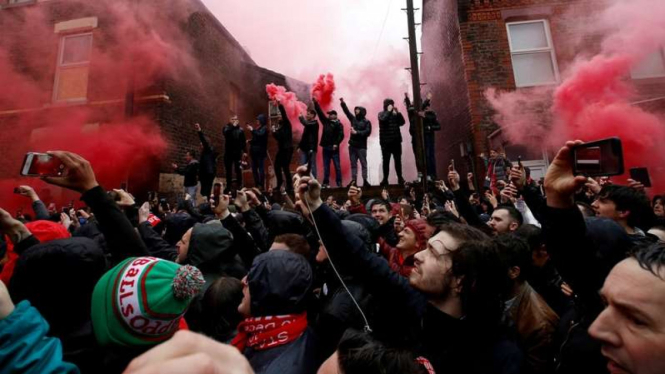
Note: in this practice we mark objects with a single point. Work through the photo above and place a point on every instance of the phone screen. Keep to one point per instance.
(601, 158)
(41, 164)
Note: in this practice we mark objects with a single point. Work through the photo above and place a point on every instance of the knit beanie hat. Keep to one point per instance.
(141, 301)
(419, 227)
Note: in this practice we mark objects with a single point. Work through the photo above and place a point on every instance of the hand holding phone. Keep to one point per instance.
(599, 158)
(77, 173)
(42, 165)
(641, 175)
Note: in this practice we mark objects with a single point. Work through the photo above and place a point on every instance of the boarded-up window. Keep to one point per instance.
(71, 79)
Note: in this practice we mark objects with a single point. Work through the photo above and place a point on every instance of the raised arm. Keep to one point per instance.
(347, 112)
(202, 137)
(319, 112)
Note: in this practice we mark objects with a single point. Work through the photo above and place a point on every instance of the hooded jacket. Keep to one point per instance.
(211, 250)
(58, 278)
(333, 131)
(284, 134)
(310, 136)
(235, 141)
(279, 284)
(389, 126)
(259, 143)
(191, 173)
(361, 124)
(430, 122)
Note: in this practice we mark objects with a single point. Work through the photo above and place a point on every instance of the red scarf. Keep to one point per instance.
(263, 333)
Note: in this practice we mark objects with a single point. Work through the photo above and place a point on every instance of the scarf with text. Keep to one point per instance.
(261, 333)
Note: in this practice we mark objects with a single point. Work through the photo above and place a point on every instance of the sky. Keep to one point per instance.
(303, 38)
(361, 42)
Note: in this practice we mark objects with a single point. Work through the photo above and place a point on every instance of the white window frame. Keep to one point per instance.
(662, 55)
(549, 48)
(62, 66)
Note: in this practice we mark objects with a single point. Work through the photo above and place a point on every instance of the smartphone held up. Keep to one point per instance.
(42, 165)
(602, 158)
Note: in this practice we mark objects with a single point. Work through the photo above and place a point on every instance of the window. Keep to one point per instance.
(233, 98)
(71, 77)
(532, 52)
(652, 66)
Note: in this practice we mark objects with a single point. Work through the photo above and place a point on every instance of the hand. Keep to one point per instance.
(398, 225)
(593, 186)
(334, 147)
(222, 207)
(65, 221)
(421, 114)
(354, 194)
(567, 290)
(341, 100)
(6, 304)
(453, 178)
(253, 197)
(144, 212)
(441, 185)
(518, 177)
(188, 352)
(28, 191)
(197, 127)
(74, 219)
(509, 194)
(492, 199)
(469, 181)
(451, 207)
(308, 191)
(353, 131)
(175, 166)
(126, 199)
(429, 96)
(84, 214)
(12, 227)
(425, 208)
(638, 186)
(78, 175)
(249, 128)
(560, 182)
(241, 201)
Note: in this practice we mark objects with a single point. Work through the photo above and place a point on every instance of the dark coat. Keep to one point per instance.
(390, 134)
(333, 131)
(361, 124)
(284, 134)
(430, 122)
(259, 143)
(279, 284)
(57, 278)
(191, 173)
(310, 136)
(235, 144)
(208, 159)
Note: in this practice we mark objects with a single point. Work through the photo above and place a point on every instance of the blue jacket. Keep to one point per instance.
(24, 346)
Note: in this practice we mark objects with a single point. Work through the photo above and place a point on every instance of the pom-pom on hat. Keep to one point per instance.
(141, 301)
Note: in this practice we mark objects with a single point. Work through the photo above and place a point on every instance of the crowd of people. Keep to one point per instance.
(321, 131)
(563, 276)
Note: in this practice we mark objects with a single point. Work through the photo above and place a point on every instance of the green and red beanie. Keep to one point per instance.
(141, 301)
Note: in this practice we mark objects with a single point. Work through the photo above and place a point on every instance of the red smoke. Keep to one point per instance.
(323, 90)
(294, 107)
(145, 42)
(594, 101)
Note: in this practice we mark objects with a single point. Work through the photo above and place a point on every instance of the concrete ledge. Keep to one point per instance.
(79, 24)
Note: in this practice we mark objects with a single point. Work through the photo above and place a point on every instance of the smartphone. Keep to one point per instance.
(519, 161)
(42, 165)
(641, 175)
(599, 158)
(452, 162)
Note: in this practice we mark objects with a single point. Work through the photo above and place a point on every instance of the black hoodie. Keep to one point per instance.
(389, 126)
(361, 124)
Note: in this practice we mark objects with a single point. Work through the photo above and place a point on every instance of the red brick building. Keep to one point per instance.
(64, 57)
(472, 45)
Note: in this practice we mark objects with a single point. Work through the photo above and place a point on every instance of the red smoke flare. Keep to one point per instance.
(323, 90)
(294, 107)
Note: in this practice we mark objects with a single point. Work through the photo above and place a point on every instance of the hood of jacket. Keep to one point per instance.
(57, 278)
(210, 247)
(357, 229)
(368, 222)
(610, 240)
(279, 283)
(388, 102)
(262, 119)
(362, 113)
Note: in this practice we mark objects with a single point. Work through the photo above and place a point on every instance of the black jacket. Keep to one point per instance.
(389, 126)
(191, 173)
(361, 124)
(279, 284)
(310, 137)
(208, 159)
(235, 141)
(284, 134)
(259, 142)
(430, 122)
(333, 131)
(449, 343)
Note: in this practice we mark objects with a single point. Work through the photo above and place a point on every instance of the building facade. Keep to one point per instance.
(472, 45)
(171, 63)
